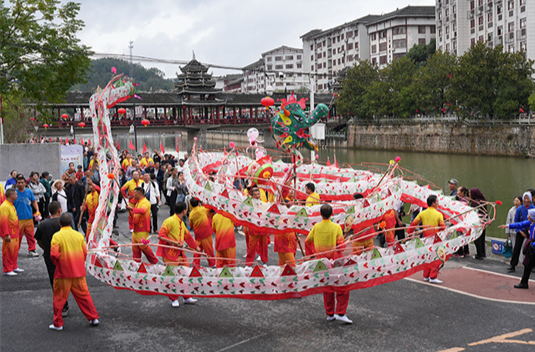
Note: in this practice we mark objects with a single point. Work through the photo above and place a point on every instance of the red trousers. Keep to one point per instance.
(181, 261)
(26, 228)
(78, 287)
(431, 270)
(207, 246)
(341, 301)
(137, 249)
(257, 244)
(222, 256)
(10, 254)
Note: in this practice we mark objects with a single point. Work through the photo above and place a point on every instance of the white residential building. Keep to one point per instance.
(392, 35)
(510, 23)
(326, 52)
(279, 69)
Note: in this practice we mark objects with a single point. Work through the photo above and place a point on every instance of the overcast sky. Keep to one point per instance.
(224, 32)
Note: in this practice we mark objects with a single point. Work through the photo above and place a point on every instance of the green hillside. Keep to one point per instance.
(100, 74)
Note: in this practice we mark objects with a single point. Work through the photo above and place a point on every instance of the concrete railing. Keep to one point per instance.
(523, 119)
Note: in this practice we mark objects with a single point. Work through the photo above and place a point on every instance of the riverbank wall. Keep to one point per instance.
(451, 138)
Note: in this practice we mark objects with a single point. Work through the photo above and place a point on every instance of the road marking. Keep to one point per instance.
(453, 349)
(241, 342)
(492, 272)
(468, 294)
(502, 338)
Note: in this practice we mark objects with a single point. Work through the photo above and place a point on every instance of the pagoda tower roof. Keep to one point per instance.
(195, 79)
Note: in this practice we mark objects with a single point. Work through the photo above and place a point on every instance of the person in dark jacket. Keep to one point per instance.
(75, 197)
(477, 199)
(45, 182)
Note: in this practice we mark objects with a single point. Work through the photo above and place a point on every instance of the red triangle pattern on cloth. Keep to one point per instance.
(350, 262)
(257, 272)
(288, 271)
(98, 263)
(274, 209)
(142, 268)
(398, 249)
(195, 272)
(437, 239)
(225, 194)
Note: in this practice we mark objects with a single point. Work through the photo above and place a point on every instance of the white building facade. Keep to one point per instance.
(510, 23)
(392, 35)
(326, 52)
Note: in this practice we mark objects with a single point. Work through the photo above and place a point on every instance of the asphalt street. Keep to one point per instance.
(401, 316)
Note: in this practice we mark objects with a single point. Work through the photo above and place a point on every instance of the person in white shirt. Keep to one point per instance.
(152, 193)
(59, 195)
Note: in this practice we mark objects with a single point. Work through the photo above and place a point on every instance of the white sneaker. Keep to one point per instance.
(435, 281)
(94, 322)
(426, 279)
(343, 318)
(32, 254)
(175, 303)
(258, 258)
(190, 300)
(10, 273)
(331, 318)
(245, 255)
(53, 327)
(18, 270)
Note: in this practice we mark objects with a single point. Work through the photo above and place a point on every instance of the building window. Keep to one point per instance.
(523, 46)
(278, 58)
(511, 27)
(334, 52)
(312, 47)
(421, 29)
(350, 58)
(289, 66)
(374, 61)
(374, 36)
(324, 64)
(499, 9)
(342, 36)
(447, 29)
(447, 12)
(511, 48)
(500, 30)
(472, 5)
(510, 5)
(480, 20)
(481, 38)
(454, 9)
(382, 34)
(319, 55)
(311, 67)
(338, 39)
(421, 41)
(382, 60)
(522, 23)
(342, 48)
(298, 65)
(356, 32)
(338, 61)
(311, 57)
(343, 60)
(356, 45)
(279, 67)
(440, 32)
(398, 30)
(382, 47)
(472, 23)
(270, 67)
(489, 17)
(289, 57)
(448, 47)
(454, 26)
(480, 3)
(349, 46)
(374, 49)
(298, 57)
(432, 29)
(473, 41)
(399, 43)
(522, 2)
(349, 34)
(269, 59)
(454, 45)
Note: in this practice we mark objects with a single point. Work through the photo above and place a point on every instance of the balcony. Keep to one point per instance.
(480, 10)
(521, 34)
(488, 7)
(470, 15)
(498, 40)
(510, 38)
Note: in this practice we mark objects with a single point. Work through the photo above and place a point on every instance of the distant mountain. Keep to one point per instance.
(100, 74)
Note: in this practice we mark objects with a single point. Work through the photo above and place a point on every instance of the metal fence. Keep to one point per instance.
(522, 119)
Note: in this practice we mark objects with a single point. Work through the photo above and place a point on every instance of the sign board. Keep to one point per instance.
(497, 246)
(318, 131)
(71, 154)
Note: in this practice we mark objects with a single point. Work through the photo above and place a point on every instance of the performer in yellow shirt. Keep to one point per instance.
(9, 231)
(312, 197)
(129, 187)
(145, 161)
(174, 233)
(225, 240)
(326, 236)
(2, 194)
(141, 220)
(127, 162)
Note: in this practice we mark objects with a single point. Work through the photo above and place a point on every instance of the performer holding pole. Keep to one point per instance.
(141, 221)
(173, 233)
(9, 231)
(129, 187)
(198, 221)
(325, 236)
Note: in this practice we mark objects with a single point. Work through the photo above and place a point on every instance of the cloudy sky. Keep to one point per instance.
(223, 32)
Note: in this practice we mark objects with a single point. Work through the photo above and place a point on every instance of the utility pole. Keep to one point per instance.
(131, 46)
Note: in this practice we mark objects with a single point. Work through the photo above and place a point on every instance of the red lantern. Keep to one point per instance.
(81, 124)
(65, 116)
(267, 102)
(145, 122)
(111, 176)
(122, 111)
(45, 126)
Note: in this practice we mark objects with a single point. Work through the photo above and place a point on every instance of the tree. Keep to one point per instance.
(99, 74)
(41, 57)
(420, 53)
(18, 117)
(490, 83)
(432, 82)
(392, 94)
(354, 87)
(531, 102)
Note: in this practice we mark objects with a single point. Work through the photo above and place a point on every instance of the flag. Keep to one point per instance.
(131, 146)
(81, 141)
(335, 162)
(89, 141)
(522, 110)
(60, 141)
(328, 162)
(73, 140)
(161, 148)
(177, 148)
(144, 148)
(118, 146)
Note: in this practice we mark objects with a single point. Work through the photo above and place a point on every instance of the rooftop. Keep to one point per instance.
(315, 33)
(408, 11)
(282, 47)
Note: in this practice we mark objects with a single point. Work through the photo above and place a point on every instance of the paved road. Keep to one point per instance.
(405, 315)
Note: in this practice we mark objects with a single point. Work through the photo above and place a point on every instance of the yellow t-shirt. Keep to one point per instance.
(429, 218)
(130, 186)
(144, 162)
(325, 235)
(313, 199)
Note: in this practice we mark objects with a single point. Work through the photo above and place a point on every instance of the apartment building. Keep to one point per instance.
(327, 52)
(392, 35)
(510, 23)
